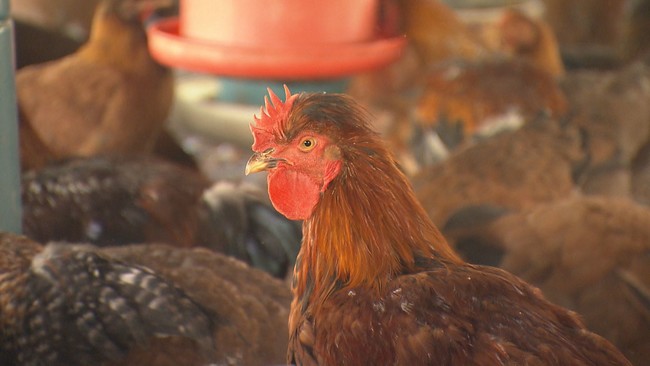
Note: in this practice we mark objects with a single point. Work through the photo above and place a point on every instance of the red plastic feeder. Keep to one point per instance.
(280, 39)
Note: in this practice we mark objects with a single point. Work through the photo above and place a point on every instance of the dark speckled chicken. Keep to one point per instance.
(113, 201)
(252, 307)
(64, 305)
(134, 305)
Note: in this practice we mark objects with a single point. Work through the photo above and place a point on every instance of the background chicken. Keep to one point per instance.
(465, 98)
(589, 254)
(375, 282)
(436, 32)
(517, 170)
(115, 201)
(588, 30)
(136, 305)
(611, 110)
(452, 97)
(109, 97)
(522, 36)
(599, 146)
(65, 306)
(462, 101)
(249, 307)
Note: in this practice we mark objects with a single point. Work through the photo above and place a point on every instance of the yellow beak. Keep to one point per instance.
(260, 162)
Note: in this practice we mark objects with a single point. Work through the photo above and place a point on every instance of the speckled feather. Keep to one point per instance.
(117, 201)
(67, 305)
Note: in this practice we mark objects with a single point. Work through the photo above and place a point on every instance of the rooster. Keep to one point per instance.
(375, 282)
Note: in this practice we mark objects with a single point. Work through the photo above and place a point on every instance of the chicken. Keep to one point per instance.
(36, 44)
(599, 146)
(109, 97)
(63, 306)
(590, 254)
(588, 30)
(115, 201)
(375, 282)
(468, 98)
(540, 162)
(611, 110)
(462, 100)
(251, 308)
(153, 304)
(519, 35)
(469, 83)
(437, 33)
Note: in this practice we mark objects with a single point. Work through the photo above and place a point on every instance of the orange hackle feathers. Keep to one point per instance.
(272, 119)
(337, 252)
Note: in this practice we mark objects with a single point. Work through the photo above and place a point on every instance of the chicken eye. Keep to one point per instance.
(307, 144)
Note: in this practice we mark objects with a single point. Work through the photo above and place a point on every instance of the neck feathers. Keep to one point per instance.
(367, 228)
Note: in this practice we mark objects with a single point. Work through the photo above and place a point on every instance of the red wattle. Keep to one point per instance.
(293, 194)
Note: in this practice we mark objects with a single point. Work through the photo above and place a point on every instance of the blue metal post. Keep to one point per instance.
(10, 209)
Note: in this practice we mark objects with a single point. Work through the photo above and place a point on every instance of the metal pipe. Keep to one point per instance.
(10, 206)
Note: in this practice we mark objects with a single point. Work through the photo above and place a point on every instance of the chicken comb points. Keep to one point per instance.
(272, 120)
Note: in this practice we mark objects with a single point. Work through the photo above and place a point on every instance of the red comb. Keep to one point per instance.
(273, 117)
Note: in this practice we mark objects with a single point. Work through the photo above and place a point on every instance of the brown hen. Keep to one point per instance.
(612, 111)
(590, 254)
(538, 163)
(108, 97)
(462, 101)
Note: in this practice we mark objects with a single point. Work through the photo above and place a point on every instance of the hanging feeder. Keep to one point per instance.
(315, 45)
